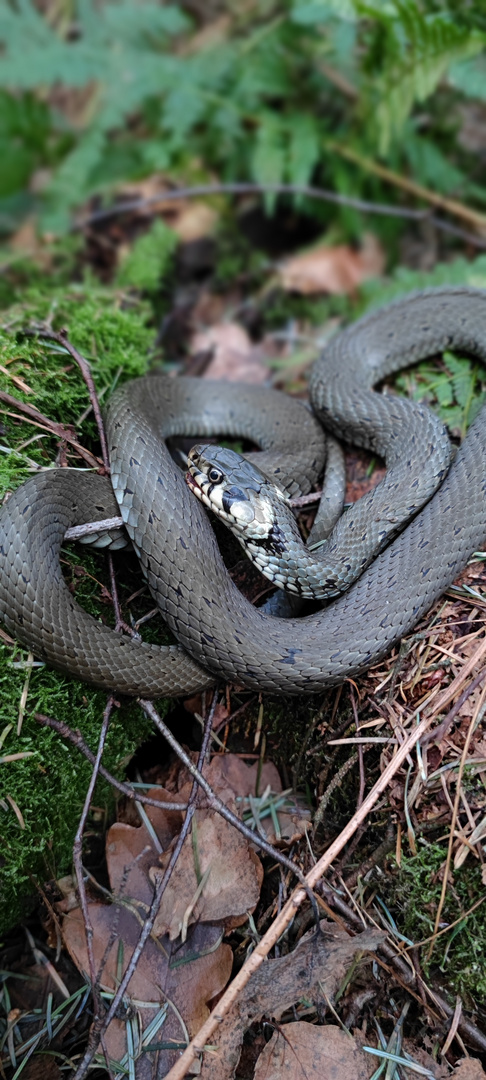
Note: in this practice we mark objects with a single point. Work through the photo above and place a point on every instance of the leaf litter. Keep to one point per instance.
(214, 886)
(203, 905)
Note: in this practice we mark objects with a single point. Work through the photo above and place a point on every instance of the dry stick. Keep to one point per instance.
(39, 420)
(451, 206)
(98, 1029)
(243, 188)
(78, 866)
(77, 740)
(62, 338)
(196, 1046)
(76, 532)
(476, 1037)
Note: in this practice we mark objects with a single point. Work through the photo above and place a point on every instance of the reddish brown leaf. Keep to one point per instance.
(302, 1051)
(188, 976)
(333, 270)
(217, 878)
(234, 357)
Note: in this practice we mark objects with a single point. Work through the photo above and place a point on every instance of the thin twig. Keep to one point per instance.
(76, 532)
(243, 188)
(455, 813)
(77, 740)
(220, 807)
(322, 194)
(61, 336)
(58, 430)
(305, 500)
(287, 913)
(78, 866)
(97, 1030)
(451, 206)
(285, 916)
(441, 730)
(466, 1027)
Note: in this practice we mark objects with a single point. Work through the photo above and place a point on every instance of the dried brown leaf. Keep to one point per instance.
(194, 221)
(234, 357)
(334, 270)
(301, 1051)
(229, 774)
(42, 1068)
(469, 1069)
(188, 976)
(130, 851)
(315, 971)
(229, 770)
(217, 878)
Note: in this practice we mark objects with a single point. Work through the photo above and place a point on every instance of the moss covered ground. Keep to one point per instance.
(41, 794)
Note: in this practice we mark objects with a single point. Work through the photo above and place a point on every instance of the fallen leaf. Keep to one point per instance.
(315, 968)
(188, 976)
(301, 1051)
(469, 1069)
(194, 221)
(191, 219)
(334, 270)
(234, 357)
(214, 33)
(41, 1067)
(230, 770)
(256, 787)
(131, 851)
(217, 878)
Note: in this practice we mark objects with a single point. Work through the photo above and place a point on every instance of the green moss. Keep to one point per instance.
(149, 259)
(48, 788)
(413, 892)
(110, 330)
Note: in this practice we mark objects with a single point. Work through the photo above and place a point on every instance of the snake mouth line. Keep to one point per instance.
(192, 482)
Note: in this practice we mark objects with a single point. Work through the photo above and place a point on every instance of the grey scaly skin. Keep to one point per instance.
(169, 528)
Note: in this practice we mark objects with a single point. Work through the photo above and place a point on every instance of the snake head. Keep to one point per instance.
(235, 489)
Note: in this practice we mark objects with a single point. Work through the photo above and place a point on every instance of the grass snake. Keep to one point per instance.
(221, 635)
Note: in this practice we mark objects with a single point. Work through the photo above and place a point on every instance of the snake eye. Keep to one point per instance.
(215, 476)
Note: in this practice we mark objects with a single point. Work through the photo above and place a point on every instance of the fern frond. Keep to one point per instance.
(469, 76)
(71, 181)
(421, 49)
(268, 162)
(304, 147)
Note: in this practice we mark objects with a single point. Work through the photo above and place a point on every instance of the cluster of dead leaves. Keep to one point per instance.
(213, 888)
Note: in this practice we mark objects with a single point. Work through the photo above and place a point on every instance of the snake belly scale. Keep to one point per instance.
(220, 634)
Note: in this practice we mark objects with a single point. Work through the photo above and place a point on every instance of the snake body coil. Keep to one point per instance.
(224, 635)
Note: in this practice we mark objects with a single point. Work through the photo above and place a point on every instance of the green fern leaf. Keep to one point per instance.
(71, 181)
(430, 166)
(469, 76)
(421, 50)
(268, 163)
(319, 11)
(149, 259)
(303, 147)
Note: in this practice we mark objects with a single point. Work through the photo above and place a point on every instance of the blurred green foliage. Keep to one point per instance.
(262, 94)
(148, 259)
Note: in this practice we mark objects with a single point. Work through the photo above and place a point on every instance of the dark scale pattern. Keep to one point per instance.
(172, 534)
